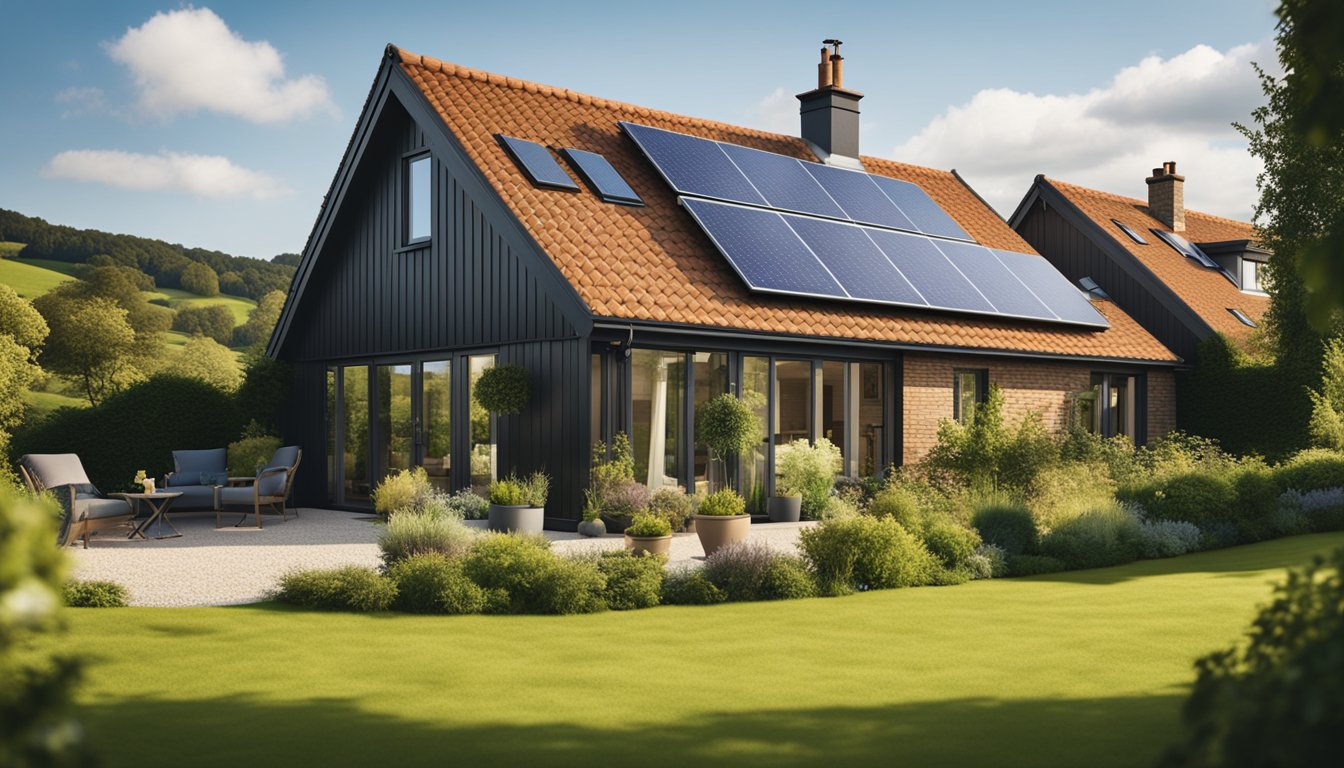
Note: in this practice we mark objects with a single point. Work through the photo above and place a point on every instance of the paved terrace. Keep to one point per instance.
(228, 566)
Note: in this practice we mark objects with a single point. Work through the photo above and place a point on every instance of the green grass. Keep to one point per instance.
(1087, 668)
(43, 403)
(30, 278)
(9, 250)
(178, 299)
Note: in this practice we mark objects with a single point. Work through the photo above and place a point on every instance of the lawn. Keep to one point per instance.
(1087, 668)
(177, 299)
(30, 278)
(43, 403)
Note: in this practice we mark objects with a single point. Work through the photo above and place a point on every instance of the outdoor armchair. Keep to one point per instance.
(84, 509)
(268, 490)
(195, 475)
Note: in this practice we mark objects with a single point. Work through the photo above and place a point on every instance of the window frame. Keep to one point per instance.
(408, 240)
(1258, 288)
(982, 385)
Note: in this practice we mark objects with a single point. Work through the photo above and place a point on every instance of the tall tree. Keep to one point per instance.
(20, 321)
(205, 359)
(90, 341)
(261, 321)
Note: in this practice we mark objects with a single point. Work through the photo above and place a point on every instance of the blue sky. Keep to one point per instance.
(220, 124)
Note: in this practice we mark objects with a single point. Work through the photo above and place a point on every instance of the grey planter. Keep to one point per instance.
(785, 509)
(520, 519)
(592, 528)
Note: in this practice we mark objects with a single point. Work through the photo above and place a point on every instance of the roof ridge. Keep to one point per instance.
(1144, 203)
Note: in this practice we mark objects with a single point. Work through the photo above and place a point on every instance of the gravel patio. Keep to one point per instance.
(230, 566)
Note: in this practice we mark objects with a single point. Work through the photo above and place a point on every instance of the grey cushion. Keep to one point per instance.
(87, 508)
(235, 496)
(53, 470)
(286, 456)
(193, 497)
(214, 478)
(193, 463)
(272, 484)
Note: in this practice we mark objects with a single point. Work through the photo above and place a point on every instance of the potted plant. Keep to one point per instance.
(805, 474)
(721, 520)
(518, 505)
(622, 502)
(592, 525)
(503, 389)
(727, 427)
(648, 535)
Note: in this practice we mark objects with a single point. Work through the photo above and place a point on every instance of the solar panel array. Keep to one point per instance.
(786, 253)
(537, 162)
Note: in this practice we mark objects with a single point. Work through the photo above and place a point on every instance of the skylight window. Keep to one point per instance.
(1135, 236)
(1237, 313)
(1190, 250)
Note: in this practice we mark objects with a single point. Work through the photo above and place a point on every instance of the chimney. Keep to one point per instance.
(830, 114)
(1166, 196)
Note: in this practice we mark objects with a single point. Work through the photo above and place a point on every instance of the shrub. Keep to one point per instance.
(672, 505)
(266, 386)
(532, 579)
(214, 321)
(1033, 565)
(808, 470)
(350, 588)
(1105, 535)
(900, 505)
(1320, 510)
(401, 491)
(431, 583)
(507, 492)
(632, 581)
(751, 571)
(1257, 500)
(503, 389)
(408, 534)
(645, 524)
(1167, 538)
(202, 417)
(625, 499)
(862, 553)
(786, 577)
(1199, 497)
(1274, 700)
(95, 594)
(985, 454)
(725, 503)
(250, 455)
(1006, 525)
(607, 473)
(1311, 470)
(837, 507)
(952, 544)
(988, 562)
(690, 587)
(1065, 491)
(466, 505)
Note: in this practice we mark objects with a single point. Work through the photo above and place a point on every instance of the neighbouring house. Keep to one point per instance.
(638, 263)
(1183, 275)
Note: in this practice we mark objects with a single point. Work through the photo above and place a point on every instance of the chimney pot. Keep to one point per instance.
(838, 71)
(1166, 196)
(824, 69)
(830, 114)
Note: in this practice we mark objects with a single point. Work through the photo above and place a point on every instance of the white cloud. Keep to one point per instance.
(189, 59)
(207, 176)
(1111, 138)
(777, 113)
(81, 101)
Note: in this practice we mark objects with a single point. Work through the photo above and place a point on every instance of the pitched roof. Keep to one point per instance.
(1204, 290)
(655, 264)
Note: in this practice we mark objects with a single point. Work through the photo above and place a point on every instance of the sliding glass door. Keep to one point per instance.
(435, 441)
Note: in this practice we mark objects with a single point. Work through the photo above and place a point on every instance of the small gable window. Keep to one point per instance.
(417, 199)
(1254, 277)
(970, 388)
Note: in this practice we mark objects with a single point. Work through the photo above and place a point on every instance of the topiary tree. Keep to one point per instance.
(35, 683)
(727, 427)
(1275, 700)
(503, 389)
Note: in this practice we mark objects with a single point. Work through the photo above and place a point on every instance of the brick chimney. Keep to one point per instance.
(1166, 196)
(830, 114)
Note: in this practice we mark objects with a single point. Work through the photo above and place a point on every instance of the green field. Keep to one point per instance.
(42, 403)
(1077, 669)
(30, 278)
(178, 299)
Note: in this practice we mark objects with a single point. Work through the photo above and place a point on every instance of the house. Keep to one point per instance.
(637, 263)
(1183, 275)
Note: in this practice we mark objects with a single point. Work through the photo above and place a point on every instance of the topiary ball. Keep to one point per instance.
(503, 389)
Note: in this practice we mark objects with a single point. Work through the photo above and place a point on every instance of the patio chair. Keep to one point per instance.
(195, 475)
(268, 490)
(85, 510)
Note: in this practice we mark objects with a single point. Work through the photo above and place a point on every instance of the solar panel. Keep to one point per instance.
(1008, 295)
(860, 266)
(923, 212)
(537, 162)
(763, 250)
(694, 166)
(783, 181)
(601, 176)
(1066, 301)
(860, 198)
(1135, 236)
(940, 283)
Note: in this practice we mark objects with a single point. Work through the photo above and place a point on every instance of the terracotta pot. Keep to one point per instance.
(785, 509)
(648, 545)
(519, 519)
(718, 531)
(592, 528)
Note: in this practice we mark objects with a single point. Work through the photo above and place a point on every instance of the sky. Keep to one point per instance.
(221, 124)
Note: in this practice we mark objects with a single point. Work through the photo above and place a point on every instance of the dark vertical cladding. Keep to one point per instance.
(1077, 255)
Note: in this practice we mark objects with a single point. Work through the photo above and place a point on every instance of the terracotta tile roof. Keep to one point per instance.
(1204, 290)
(654, 263)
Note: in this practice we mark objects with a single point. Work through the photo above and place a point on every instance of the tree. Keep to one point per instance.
(17, 373)
(214, 320)
(260, 321)
(20, 322)
(265, 387)
(91, 340)
(200, 279)
(207, 360)
(1327, 403)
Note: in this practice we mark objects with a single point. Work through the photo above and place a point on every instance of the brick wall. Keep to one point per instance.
(1027, 386)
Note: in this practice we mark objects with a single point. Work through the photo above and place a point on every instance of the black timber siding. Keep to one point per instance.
(477, 286)
(1077, 255)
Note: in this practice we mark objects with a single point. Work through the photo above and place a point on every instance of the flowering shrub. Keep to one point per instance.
(988, 562)
(1167, 538)
(672, 505)
(808, 470)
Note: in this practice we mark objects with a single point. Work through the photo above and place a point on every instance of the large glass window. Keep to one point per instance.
(969, 389)
(331, 434)
(355, 421)
(658, 393)
(872, 394)
(436, 421)
(710, 376)
(395, 436)
(793, 401)
(484, 454)
(755, 466)
(418, 206)
(1114, 409)
(834, 409)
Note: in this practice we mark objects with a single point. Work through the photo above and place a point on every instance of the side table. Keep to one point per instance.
(159, 504)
